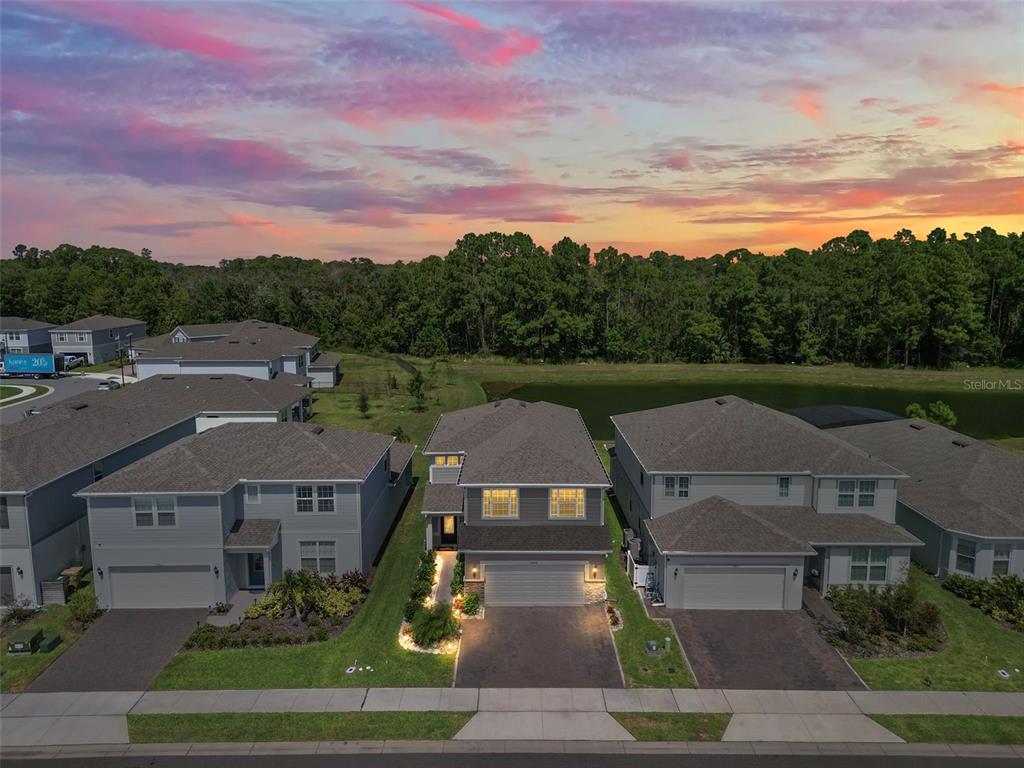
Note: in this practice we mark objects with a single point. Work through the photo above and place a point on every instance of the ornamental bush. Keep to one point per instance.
(420, 589)
(411, 607)
(1001, 597)
(458, 575)
(269, 606)
(471, 604)
(893, 615)
(83, 606)
(432, 626)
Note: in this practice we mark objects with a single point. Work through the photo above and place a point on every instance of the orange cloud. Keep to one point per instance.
(928, 121)
(1009, 97)
(808, 103)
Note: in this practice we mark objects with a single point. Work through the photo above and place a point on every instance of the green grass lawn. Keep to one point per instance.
(9, 391)
(673, 726)
(6, 392)
(977, 648)
(1012, 444)
(955, 729)
(19, 671)
(295, 726)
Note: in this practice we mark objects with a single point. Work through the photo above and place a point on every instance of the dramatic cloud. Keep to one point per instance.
(477, 43)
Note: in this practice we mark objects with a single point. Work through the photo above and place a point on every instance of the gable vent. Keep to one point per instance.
(917, 426)
(961, 443)
(721, 401)
(317, 430)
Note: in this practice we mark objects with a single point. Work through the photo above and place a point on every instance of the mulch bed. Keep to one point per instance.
(266, 632)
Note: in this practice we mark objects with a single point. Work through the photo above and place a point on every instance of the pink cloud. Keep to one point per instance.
(1009, 97)
(678, 162)
(928, 121)
(808, 103)
(476, 42)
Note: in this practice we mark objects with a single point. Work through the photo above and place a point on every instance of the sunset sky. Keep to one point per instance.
(213, 130)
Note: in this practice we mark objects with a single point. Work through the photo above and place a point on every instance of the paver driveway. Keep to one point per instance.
(123, 651)
(538, 648)
(759, 650)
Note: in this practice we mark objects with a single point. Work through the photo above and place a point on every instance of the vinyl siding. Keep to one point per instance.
(533, 508)
(199, 524)
(277, 502)
(837, 566)
(885, 499)
(932, 556)
(632, 471)
(17, 535)
(742, 489)
(983, 556)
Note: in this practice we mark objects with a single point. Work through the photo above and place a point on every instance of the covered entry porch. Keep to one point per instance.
(249, 554)
(442, 505)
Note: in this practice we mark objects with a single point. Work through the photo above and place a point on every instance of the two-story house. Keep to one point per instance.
(47, 457)
(518, 488)
(97, 338)
(230, 509)
(964, 499)
(249, 348)
(22, 336)
(738, 505)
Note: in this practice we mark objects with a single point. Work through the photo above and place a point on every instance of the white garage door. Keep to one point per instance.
(539, 583)
(734, 588)
(169, 586)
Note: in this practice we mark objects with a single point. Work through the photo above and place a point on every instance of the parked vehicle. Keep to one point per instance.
(73, 361)
(108, 385)
(36, 365)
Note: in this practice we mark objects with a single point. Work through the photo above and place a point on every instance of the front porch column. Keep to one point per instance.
(268, 570)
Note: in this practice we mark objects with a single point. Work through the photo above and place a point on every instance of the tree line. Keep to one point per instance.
(941, 301)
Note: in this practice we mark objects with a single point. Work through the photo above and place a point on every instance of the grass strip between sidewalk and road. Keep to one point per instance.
(295, 726)
(954, 729)
(673, 726)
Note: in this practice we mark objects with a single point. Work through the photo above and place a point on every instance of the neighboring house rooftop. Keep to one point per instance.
(733, 435)
(512, 442)
(83, 429)
(12, 323)
(325, 360)
(534, 538)
(218, 459)
(961, 483)
(717, 525)
(209, 329)
(829, 416)
(98, 323)
(248, 340)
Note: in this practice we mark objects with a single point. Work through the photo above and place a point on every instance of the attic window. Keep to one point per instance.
(721, 401)
(917, 426)
(317, 429)
(961, 443)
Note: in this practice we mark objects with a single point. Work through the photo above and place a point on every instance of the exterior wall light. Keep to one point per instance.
(21, 572)
(474, 571)
(216, 571)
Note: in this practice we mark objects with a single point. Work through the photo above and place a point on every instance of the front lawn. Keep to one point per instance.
(977, 647)
(19, 671)
(295, 726)
(673, 726)
(12, 392)
(955, 729)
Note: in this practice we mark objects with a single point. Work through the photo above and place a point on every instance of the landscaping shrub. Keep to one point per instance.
(411, 608)
(204, 636)
(1001, 597)
(336, 604)
(426, 572)
(892, 618)
(471, 604)
(432, 626)
(83, 606)
(18, 611)
(268, 606)
(420, 589)
(458, 575)
(353, 580)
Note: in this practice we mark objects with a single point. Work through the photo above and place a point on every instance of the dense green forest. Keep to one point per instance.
(900, 301)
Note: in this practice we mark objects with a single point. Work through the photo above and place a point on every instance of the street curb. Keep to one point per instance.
(1005, 751)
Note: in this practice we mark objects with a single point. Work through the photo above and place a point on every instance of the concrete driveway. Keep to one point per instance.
(568, 647)
(760, 650)
(123, 651)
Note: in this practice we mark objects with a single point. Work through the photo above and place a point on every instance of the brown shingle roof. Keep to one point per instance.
(248, 340)
(534, 538)
(730, 434)
(971, 487)
(443, 497)
(252, 533)
(98, 323)
(12, 323)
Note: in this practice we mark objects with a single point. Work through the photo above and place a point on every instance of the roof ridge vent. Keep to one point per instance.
(961, 443)
(316, 429)
(722, 400)
(917, 425)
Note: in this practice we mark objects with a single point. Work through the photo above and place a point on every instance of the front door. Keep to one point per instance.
(256, 573)
(448, 535)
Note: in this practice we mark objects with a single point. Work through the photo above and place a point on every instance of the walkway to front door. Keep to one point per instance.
(444, 583)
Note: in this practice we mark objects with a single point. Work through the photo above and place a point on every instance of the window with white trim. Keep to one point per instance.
(966, 550)
(869, 565)
(62, 337)
(325, 499)
(856, 493)
(1001, 559)
(252, 493)
(783, 487)
(317, 556)
(448, 461)
(158, 511)
(500, 503)
(670, 486)
(304, 499)
(866, 493)
(566, 504)
(81, 337)
(677, 486)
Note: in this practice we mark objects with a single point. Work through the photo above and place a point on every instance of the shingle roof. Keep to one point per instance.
(515, 442)
(401, 454)
(209, 329)
(83, 429)
(248, 340)
(13, 323)
(443, 497)
(325, 360)
(730, 434)
(971, 487)
(216, 460)
(534, 538)
(98, 323)
(829, 416)
(252, 533)
(718, 525)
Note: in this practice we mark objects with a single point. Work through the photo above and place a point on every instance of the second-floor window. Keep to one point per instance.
(677, 486)
(325, 499)
(1001, 559)
(447, 461)
(158, 511)
(965, 553)
(5, 516)
(304, 499)
(859, 493)
(783, 487)
(81, 337)
(501, 503)
(62, 337)
(567, 504)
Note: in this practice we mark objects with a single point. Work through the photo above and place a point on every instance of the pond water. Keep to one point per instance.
(979, 414)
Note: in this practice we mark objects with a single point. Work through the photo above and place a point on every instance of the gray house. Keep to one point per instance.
(46, 458)
(248, 348)
(964, 499)
(230, 509)
(97, 338)
(740, 506)
(519, 489)
(19, 335)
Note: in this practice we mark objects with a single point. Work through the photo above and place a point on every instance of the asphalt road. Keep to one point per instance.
(63, 388)
(515, 761)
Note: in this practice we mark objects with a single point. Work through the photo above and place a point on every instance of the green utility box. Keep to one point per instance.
(24, 642)
(50, 642)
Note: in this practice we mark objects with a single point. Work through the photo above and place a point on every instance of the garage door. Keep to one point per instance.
(525, 583)
(734, 588)
(171, 586)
